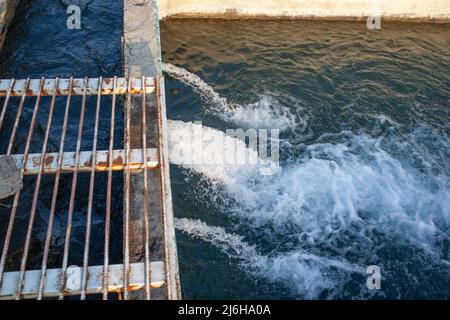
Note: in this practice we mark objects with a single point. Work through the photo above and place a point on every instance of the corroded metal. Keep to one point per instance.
(58, 169)
(17, 88)
(127, 181)
(72, 196)
(26, 249)
(91, 194)
(131, 158)
(105, 283)
(74, 282)
(148, 271)
(171, 256)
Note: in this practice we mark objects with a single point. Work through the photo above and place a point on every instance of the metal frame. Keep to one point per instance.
(74, 281)
(75, 86)
(51, 161)
(88, 279)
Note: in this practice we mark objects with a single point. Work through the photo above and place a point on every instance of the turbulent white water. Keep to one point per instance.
(306, 271)
(267, 112)
(213, 153)
(350, 188)
(338, 196)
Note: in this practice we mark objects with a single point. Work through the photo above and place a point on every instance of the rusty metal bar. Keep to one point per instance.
(148, 272)
(173, 291)
(73, 288)
(54, 197)
(12, 216)
(127, 160)
(126, 215)
(5, 103)
(108, 196)
(51, 161)
(16, 122)
(26, 249)
(21, 87)
(72, 195)
(91, 194)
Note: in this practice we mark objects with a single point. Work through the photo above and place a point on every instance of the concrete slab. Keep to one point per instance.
(142, 57)
(10, 177)
(7, 8)
(416, 10)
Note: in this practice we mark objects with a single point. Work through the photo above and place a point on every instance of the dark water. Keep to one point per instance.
(39, 44)
(365, 127)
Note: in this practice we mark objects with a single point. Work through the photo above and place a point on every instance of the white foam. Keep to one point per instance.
(337, 195)
(232, 245)
(267, 112)
(344, 188)
(196, 83)
(304, 272)
(212, 152)
(353, 187)
(349, 186)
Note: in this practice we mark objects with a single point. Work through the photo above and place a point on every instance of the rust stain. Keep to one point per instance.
(78, 85)
(101, 166)
(88, 162)
(134, 287)
(49, 160)
(118, 160)
(35, 161)
(117, 164)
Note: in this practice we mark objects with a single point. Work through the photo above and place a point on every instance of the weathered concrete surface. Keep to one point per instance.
(10, 177)
(142, 57)
(7, 8)
(421, 10)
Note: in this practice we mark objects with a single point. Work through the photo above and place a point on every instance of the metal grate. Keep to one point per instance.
(68, 280)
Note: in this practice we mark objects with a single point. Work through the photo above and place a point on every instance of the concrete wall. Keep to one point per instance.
(422, 10)
(2, 12)
(6, 13)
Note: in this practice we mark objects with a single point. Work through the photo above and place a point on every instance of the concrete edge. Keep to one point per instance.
(9, 6)
(236, 16)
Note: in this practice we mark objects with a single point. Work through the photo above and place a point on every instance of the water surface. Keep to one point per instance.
(365, 126)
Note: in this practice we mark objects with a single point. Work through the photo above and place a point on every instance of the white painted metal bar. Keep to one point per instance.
(74, 280)
(131, 158)
(19, 87)
(68, 164)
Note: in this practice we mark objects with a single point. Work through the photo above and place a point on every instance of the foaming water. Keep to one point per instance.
(203, 150)
(335, 184)
(345, 186)
(306, 272)
(365, 172)
(196, 83)
(267, 112)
